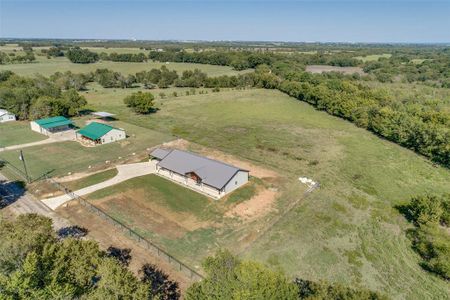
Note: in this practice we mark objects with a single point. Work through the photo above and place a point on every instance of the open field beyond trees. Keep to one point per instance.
(47, 67)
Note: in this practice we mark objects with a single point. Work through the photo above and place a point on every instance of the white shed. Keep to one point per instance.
(6, 116)
(99, 133)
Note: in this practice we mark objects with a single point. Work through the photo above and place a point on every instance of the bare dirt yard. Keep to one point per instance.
(318, 69)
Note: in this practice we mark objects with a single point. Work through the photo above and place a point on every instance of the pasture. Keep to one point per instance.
(346, 231)
(373, 57)
(47, 67)
(318, 69)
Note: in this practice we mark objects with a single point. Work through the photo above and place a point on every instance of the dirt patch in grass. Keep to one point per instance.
(317, 69)
(256, 207)
(107, 235)
(149, 215)
(80, 175)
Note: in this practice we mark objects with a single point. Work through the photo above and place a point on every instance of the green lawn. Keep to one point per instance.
(16, 133)
(348, 230)
(61, 158)
(48, 67)
(91, 179)
(161, 191)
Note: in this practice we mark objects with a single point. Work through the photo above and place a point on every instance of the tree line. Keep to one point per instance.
(38, 263)
(38, 97)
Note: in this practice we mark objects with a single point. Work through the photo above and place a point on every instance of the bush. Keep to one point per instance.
(81, 56)
(141, 103)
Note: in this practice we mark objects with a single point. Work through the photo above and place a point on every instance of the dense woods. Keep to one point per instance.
(36, 264)
(38, 97)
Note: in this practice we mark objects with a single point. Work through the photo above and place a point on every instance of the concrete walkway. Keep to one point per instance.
(125, 172)
(54, 138)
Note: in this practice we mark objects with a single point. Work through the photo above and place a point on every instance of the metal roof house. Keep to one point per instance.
(98, 133)
(199, 173)
(51, 125)
(6, 116)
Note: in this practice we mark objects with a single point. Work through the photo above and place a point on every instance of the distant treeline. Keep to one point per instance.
(82, 56)
(431, 67)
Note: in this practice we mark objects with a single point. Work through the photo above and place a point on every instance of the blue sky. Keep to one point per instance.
(323, 21)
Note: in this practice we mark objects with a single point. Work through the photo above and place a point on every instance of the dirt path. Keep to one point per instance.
(56, 138)
(125, 172)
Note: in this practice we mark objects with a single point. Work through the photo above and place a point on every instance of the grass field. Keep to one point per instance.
(15, 133)
(186, 223)
(373, 57)
(62, 158)
(348, 230)
(48, 67)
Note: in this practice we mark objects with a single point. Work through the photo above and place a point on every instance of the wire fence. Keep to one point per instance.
(150, 246)
(18, 172)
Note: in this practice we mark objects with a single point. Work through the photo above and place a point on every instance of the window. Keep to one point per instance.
(235, 183)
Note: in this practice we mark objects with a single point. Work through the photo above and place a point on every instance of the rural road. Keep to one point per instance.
(24, 203)
(125, 172)
(55, 138)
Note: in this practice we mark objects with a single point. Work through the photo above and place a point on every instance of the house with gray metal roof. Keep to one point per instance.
(208, 176)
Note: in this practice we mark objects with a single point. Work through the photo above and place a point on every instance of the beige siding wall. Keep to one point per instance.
(189, 183)
(7, 118)
(238, 180)
(113, 135)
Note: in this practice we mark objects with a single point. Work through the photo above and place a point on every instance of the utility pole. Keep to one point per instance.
(22, 158)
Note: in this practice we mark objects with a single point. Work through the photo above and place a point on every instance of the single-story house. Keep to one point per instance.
(98, 133)
(199, 173)
(51, 125)
(6, 116)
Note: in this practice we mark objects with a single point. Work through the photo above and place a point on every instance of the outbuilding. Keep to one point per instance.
(205, 175)
(52, 125)
(6, 116)
(98, 133)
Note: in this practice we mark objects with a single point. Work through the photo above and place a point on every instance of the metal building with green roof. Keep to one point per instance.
(51, 125)
(99, 133)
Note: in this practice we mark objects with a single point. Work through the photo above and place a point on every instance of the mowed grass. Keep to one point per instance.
(348, 230)
(177, 219)
(61, 158)
(16, 133)
(91, 179)
(47, 67)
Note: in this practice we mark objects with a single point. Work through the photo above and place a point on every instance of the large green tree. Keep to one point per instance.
(227, 277)
(141, 103)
